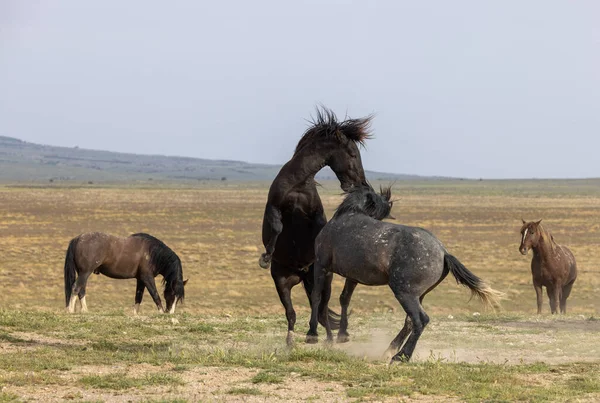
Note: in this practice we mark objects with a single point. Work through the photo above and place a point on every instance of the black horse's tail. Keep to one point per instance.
(477, 286)
(70, 269)
(309, 283)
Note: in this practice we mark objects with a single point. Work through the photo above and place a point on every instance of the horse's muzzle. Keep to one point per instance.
(523, 251)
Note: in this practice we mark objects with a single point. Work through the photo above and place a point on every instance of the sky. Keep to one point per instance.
(475, 89)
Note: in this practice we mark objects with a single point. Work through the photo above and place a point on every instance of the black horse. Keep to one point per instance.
(139, 256)
(412, 261)
(294, 213)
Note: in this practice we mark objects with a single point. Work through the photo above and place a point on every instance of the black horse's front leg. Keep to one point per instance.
(272, 227)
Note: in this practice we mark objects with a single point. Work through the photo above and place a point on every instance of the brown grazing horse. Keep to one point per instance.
(139, 256)
(553, 266)
(294, 213)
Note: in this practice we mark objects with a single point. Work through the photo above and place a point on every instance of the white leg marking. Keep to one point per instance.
(83, 305)
(161, 310)
(72, 303)
(172, 310)
(136, 309)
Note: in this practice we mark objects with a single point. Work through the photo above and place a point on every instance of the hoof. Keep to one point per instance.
(399, 358)
(312, 339)
(289, 340)
(264, 261)
(343, 338)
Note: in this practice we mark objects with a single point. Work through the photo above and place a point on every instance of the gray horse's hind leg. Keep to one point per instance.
(320, 304)
(419, 319)
(399, 339)
(345, 297)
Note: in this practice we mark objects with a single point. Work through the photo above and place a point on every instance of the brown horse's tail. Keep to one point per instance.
(477, 286)
(309, 283)
(70, 269)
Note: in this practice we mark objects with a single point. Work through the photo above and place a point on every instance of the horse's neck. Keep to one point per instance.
(301, 168)
(545, 245)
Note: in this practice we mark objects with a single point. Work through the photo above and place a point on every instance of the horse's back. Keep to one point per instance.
(571, 263)
(108, 254)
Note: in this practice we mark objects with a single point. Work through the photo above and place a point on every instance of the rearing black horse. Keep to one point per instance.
(294, 213)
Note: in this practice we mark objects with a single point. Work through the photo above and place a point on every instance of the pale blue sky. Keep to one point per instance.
(460, 88)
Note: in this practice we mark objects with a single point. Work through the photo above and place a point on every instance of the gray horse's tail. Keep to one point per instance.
(477, 286)
(70, 269)
(308, 282)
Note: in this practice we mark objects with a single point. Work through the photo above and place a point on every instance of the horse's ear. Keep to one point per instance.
(538, 222)
(185, 281)
(524, 222)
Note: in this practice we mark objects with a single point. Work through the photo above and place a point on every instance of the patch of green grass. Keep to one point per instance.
(121, 381)
(8, 397)
(12, 339)
(244, 391)
(201, 328)
(32, 379)
(267, 377)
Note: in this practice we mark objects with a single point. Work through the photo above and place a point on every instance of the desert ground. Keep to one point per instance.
(226, 342)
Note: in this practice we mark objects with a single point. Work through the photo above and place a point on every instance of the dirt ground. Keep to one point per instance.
(216, 232)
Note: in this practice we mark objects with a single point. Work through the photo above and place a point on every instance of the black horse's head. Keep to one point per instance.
(336, 144)
(365, 200)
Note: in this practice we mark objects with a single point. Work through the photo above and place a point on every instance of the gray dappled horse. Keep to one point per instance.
(357, 245)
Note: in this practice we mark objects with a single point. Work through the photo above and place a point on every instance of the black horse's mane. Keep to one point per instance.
(365, 200)
(326, 125)
(167, 261)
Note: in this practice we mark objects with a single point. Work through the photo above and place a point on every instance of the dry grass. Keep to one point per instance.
(216, 232)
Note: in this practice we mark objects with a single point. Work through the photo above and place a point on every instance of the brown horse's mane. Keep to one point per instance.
(326, 125)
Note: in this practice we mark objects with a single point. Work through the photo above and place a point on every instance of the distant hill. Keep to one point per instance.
(21, 161)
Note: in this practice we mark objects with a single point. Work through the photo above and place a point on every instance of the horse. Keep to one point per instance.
(357, 245)
(140, 256)
(552, 266)
(294, 213)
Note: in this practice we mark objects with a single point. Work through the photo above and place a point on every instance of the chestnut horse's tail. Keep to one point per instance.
(70, 269)
(309, 283)
(477, 286)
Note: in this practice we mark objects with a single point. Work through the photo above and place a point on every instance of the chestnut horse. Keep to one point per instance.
(553, 266)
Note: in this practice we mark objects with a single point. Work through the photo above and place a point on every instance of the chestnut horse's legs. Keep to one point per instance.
(554, 292)
(566, 291)
(539, 296)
